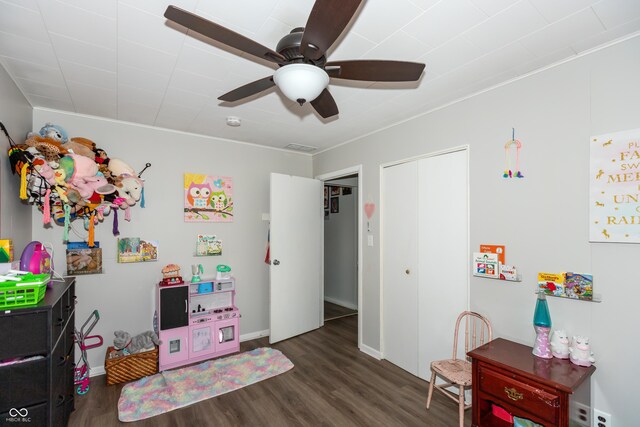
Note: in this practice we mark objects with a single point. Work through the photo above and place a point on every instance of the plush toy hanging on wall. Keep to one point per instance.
(508, 172)
(69, 178)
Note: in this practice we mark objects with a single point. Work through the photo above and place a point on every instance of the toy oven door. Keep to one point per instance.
(227, 334)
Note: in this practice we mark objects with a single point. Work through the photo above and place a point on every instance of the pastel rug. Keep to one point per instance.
(175, 389)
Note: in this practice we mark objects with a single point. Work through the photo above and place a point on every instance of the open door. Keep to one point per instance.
(296, 240)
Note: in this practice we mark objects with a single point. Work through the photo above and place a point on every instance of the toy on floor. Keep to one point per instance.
(130, 345)
(81, 371)
(580, 352)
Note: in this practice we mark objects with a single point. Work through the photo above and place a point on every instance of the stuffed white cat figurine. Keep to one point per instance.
(560, 344)
(580, 352)
(130, 345)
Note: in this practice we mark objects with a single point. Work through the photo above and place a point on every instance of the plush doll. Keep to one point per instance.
(118, 167)
(141, 342)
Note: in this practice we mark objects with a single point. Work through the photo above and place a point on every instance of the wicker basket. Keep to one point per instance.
(131, 367)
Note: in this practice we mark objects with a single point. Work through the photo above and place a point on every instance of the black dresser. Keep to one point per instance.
(39, 392)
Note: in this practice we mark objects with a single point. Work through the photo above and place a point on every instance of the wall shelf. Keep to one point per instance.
(596, 297)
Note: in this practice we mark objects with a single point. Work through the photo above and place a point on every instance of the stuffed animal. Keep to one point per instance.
(55, 132)
(49, 148)
(130, 189)
(82, 146)
(580, 352)
(560, 344)
(141, 342)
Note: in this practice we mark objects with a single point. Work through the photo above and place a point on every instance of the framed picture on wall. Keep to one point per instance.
(335, 191)
(346, 191)
(335, 205)
(326, 197)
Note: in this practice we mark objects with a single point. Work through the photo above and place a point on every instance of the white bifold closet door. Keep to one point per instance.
(425, 258)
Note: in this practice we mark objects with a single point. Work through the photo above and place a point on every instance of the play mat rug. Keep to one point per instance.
(175, 389)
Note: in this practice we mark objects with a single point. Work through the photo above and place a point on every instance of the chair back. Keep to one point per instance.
(477, 331)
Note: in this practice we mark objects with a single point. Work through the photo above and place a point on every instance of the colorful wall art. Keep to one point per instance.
(614, 210)
(208, 198)
(134, 249)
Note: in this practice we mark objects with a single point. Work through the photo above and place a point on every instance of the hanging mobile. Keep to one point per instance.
(508, 173)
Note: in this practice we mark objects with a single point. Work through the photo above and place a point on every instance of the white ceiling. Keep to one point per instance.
(121, 59)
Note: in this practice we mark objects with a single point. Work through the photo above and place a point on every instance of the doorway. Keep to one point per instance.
(342, 284)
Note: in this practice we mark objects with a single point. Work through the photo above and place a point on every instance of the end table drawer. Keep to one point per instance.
(517, 393)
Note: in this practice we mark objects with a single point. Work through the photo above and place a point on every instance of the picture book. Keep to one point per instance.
(494, 249)
(508, 272)
(551, 284)
(134, 249)
(208, 245)
(6, 250)
(579, 286)
(485, 264)
(82, 259)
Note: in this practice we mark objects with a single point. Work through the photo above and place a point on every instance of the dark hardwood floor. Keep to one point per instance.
(332, 384)
(335, 311)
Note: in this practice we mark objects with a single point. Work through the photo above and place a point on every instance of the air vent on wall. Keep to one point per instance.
(298, 147)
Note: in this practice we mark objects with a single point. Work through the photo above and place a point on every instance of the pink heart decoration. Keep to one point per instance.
(369, 209)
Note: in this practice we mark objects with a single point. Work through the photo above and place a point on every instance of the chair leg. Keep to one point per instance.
(431, 383)
(461, 405)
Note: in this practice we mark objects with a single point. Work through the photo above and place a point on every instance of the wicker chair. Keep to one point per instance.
(457, 372)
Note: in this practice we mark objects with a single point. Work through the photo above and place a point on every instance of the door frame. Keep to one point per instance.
(466, 148)
(353, 170)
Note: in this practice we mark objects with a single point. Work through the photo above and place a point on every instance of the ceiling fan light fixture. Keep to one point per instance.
(301, 82)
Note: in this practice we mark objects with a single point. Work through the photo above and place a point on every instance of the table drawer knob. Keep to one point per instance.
(513, 394)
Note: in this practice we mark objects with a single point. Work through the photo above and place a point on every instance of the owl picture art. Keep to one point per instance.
(208, 198)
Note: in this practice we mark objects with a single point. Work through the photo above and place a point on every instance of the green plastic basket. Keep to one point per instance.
(14, 295)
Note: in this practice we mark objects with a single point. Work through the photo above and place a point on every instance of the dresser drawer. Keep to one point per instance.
(516, 392)
(23, 384)
(23, 334)
(31, 416)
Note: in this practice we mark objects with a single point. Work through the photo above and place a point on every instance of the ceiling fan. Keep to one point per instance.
(304, 72)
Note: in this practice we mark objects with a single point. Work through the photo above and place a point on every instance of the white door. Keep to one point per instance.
(443, 249)
(400, 262)
(296, 240)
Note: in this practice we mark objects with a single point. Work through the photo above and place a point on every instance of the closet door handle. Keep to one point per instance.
(276, 262)
(407, 271)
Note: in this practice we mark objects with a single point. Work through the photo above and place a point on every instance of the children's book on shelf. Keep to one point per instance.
(508, 272)
(494, 249)
(83, 259)
(134, 249)
(579, 286)
(208, 245)
(552, 284)
(485, 264)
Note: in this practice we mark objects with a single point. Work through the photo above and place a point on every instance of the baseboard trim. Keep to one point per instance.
(254, 335)
(371, 352)
(346, 304)
(98, 370)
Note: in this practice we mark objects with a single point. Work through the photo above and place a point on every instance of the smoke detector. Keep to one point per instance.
(233, 121)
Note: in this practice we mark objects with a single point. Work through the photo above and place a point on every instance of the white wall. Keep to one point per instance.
(15, 114)
(543, 218)
(341, 251)
(124, 293)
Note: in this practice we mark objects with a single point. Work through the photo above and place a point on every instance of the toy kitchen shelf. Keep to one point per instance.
(198, 321)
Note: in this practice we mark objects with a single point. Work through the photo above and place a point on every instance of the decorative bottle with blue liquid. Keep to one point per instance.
(542, 326)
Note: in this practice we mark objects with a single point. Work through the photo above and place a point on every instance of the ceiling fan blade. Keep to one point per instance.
(325, 105)
(221, 34)
(375, 70)
(248, 89)
(326, 22)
